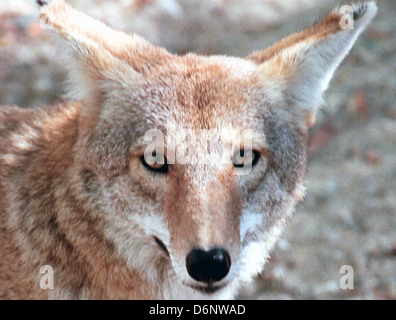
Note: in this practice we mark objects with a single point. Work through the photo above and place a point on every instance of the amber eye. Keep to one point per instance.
(243, 158)
(160, 165)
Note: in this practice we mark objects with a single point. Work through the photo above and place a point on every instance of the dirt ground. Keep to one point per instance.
(349, 213)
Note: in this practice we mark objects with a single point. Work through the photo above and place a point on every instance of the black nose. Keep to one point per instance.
(208, 266)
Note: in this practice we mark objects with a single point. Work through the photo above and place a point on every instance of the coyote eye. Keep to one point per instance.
(160, 165)
(243, 158)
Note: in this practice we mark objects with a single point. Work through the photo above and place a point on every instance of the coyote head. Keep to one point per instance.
(205, 224)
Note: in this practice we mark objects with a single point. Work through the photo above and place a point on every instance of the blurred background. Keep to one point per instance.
(349, 214)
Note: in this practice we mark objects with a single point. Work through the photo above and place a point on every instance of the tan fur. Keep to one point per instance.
(327, 26)
(74, 193)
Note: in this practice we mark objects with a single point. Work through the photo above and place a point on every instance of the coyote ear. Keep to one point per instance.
(102, 56)
(303, 63)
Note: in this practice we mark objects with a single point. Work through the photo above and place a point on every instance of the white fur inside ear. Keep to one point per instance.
(364, 13)
(310, 64)
(338, 45)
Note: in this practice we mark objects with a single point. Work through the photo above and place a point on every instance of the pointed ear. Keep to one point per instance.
(102, 57)
(303, 64)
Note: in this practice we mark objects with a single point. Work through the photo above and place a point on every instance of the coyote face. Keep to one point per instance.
(202, 221)
(113, 223)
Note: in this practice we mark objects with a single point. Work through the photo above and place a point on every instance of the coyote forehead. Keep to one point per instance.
(196, 92)
(82, 188)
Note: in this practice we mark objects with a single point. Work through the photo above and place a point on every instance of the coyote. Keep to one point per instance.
(78, 194)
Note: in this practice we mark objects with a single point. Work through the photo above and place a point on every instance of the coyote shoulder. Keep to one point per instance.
(80, 192)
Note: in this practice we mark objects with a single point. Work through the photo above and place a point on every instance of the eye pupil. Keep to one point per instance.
(161, 167)
(243, 158)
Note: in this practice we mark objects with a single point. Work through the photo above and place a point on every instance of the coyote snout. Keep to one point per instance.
(81, 189)
(202, 210)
